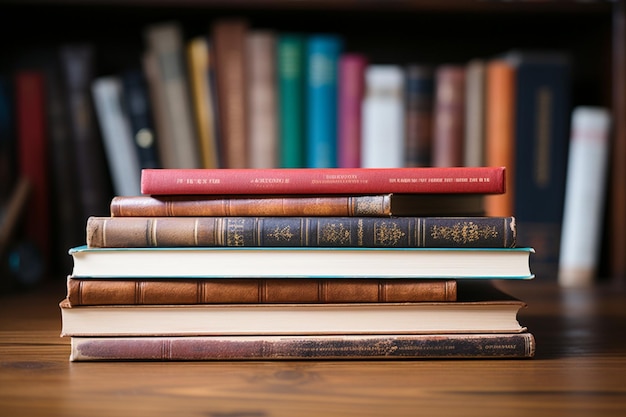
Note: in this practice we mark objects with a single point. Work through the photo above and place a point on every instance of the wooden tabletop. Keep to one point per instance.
(579, 370)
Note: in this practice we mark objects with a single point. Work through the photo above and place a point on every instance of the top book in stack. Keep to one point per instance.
(422, 180)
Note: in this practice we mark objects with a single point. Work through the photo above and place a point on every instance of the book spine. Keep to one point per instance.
(185, 206)
(383, 117)
(543, 118)
(322, 63)
(228, 39)
(468, 180)
(262, 103)
(162, 125)
(33, 155)
(395, 232)
(584, 196)
(253, 291)
(95, 188)
(351, 87)
(499, 132)
(419, 99)
(108, 96)
(200, 59)
(303, 348)
(166, 41)
(291, 82)
(449, 116)
(139, 107)
(474, 142)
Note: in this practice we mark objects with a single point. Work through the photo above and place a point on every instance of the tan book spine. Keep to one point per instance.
(181, 206)
(247, 291)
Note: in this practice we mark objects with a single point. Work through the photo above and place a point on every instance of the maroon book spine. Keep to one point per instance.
(426, 180)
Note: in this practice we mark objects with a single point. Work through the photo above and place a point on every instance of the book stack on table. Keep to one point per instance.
(242, 264)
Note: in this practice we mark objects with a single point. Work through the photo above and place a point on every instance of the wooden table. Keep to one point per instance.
(579, 370)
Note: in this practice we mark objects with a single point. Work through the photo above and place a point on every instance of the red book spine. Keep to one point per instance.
(421, 180)
(351, 92)
(33, 154)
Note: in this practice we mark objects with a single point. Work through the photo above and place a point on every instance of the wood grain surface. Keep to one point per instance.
(579, 370)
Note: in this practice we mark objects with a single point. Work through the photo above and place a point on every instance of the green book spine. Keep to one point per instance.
(291, 71)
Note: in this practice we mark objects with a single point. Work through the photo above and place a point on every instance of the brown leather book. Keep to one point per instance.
(228, 39)
(383, 205)
(250, 291)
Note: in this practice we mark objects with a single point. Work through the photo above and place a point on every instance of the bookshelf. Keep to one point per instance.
(388, 32)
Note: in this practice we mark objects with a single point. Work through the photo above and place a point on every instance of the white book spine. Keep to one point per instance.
(117, 135)
(383, 117)
(584, 196)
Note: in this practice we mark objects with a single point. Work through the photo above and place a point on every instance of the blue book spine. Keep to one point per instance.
(321, 85)
(543, 109)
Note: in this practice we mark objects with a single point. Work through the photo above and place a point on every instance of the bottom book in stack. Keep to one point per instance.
(299, 319)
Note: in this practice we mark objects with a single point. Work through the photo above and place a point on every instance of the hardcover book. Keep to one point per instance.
(322, 61)
(430, 180)
(583, 211)
(375, 232)
(250, 291)
(117, 136)
(291, 76)
(381, 205)
(200, 59)
(140, 115)
(419, 99)
(449, 116)
(228, 40)
(542, 124)
(476, 311)
(351, 86)
(94, 185)
(302, 262)
(499, 132)
(263, 149)
(319, 347)
(382, 141)
(475, 113)
(33, 155)
(166, 41)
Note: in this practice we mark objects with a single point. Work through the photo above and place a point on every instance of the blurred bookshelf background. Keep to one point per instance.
(92, 91)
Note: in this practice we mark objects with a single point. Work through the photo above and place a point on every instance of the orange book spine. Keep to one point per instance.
(500, 137)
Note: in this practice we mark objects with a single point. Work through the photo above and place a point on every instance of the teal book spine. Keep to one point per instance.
(290, 55)
(322, 60)
(395, 232)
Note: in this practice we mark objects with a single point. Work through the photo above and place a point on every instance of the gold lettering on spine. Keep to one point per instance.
(360, 232)
(235, 232)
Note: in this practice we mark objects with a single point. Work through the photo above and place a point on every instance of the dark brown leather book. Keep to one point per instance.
(383, 205)
(267, 347)
(373, 232)
(250, 291)
(228, 37)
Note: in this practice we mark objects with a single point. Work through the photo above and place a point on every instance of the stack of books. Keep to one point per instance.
(232, 264)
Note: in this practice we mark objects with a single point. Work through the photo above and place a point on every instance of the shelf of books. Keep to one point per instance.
(298, 275)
